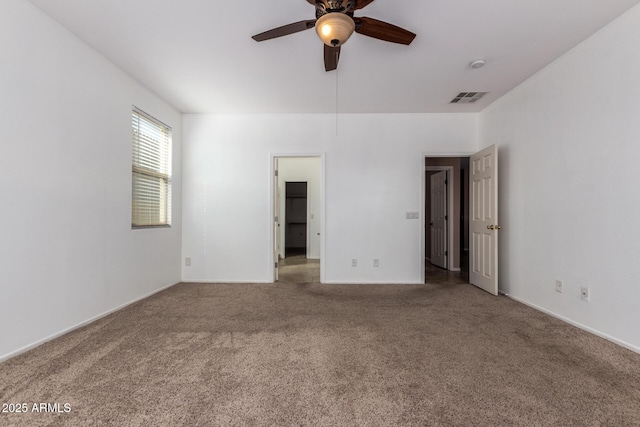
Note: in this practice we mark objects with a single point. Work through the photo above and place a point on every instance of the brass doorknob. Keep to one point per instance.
(493, 227)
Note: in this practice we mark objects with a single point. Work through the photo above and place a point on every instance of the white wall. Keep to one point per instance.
(309, 170)
(67, 251)
(374, 172)
(569, 142)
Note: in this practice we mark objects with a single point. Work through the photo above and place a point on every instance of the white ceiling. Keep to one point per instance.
(199, 56)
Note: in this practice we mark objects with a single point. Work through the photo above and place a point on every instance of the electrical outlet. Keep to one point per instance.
(376, 262)
(584, 293)
(187, 262)
(559, 286)
(354, 262)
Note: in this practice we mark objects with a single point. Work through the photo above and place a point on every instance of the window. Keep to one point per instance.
(151, 155)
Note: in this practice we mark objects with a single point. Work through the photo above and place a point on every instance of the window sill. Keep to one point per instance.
(143, 227)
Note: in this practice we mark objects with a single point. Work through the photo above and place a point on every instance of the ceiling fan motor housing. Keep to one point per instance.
(328, 6)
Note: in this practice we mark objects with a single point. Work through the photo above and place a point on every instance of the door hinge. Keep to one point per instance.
(446, 181)
(446, 253)
(446, 217)
(275, 265)
(275, 219)
(275, 172)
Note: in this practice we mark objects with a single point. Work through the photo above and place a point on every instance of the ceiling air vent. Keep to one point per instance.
(467, 97)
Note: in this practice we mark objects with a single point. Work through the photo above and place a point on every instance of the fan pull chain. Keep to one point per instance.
(336, 102)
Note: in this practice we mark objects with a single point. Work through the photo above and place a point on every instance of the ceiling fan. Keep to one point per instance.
(335, 23)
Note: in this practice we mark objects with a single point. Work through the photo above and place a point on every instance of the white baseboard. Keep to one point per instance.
(229, 282)
(330, 282)
(347, 282)
(578, 325)
(79, 325)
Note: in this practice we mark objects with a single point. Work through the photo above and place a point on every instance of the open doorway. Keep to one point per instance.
(298, 212)
(473, 227)
(295, 219)
(446, 216)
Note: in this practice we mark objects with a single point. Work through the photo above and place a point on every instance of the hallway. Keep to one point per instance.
(439, 276)
(299, 269)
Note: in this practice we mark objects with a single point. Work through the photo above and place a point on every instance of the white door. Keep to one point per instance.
(438, 221)
(276, 220)
(483, 271)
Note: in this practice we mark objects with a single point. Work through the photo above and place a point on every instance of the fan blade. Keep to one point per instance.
(285, 30)
(383, 31)
(360, 4)
(331, 57)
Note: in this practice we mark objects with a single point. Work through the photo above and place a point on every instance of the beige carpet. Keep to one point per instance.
(308, 354)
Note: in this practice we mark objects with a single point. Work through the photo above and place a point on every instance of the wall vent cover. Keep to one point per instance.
(467, 97)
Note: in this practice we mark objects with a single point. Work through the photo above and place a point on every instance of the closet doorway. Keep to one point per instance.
(295, 216)
(298, 212)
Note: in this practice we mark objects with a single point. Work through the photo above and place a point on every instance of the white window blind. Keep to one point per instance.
(151, 149)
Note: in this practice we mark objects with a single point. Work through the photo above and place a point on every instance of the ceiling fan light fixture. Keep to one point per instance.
(335, 28)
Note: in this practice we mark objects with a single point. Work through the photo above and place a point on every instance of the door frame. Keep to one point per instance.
(423, 197)
(272, 197)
